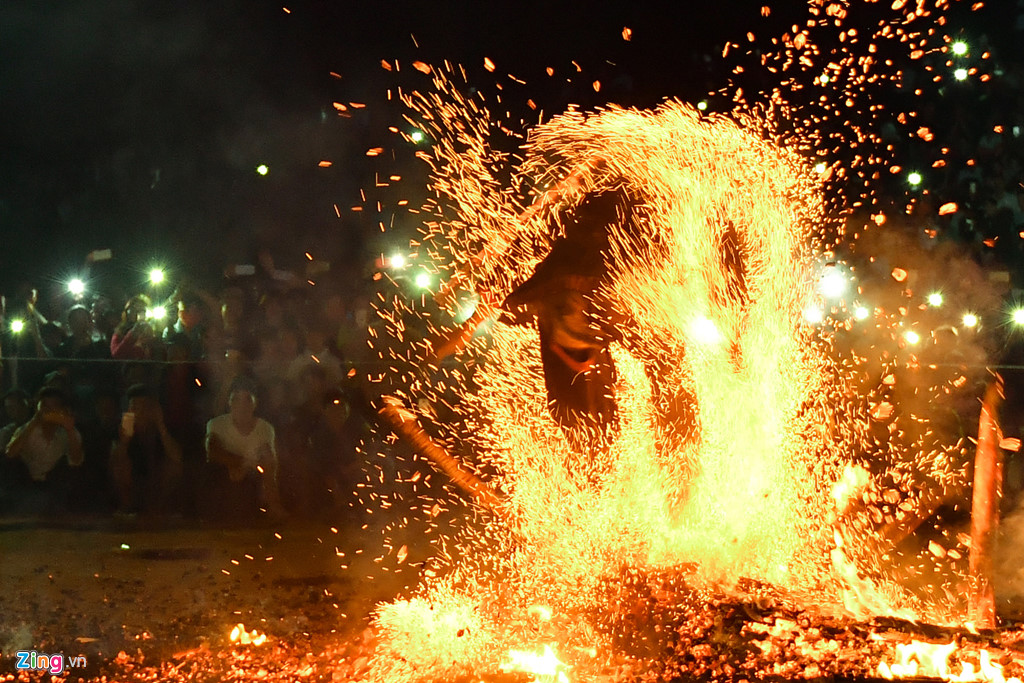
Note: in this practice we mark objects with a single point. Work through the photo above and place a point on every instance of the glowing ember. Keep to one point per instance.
(929, 660)
(242, 637)
(544, 666)
(444, 633)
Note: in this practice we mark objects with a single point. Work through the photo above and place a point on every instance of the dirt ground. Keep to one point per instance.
(156, 600)
(131, 594)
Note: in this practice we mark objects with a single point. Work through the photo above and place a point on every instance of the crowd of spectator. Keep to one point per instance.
(220, 405)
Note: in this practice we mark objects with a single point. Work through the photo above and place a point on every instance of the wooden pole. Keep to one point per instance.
(405, 425)
(457, 339)
(988, 489)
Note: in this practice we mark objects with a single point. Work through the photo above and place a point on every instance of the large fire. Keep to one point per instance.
(745, 495)
(735, 462)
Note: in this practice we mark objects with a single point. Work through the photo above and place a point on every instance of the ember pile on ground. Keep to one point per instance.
(673, 633)
(159, 604)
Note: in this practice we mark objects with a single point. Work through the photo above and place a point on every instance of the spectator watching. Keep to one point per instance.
(49, 437)
(146, 461)
(242, 452)
(16, 413)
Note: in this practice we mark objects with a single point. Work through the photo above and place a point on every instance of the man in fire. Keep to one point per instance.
(568, 297)
(564, 298)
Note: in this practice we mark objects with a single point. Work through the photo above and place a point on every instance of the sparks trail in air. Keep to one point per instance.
(846, 81)
(743, 494)
(841, 87)
(805, 444)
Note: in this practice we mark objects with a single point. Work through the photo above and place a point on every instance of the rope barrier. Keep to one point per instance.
(387, 364)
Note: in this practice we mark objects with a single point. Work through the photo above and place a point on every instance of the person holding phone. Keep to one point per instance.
(40, 450)
(145, 463)
(132, 336)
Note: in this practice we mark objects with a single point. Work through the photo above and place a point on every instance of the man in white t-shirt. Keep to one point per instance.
(47, 438)
(243, 445)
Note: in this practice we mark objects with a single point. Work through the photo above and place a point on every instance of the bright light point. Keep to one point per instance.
(544, 666)
(970, 320)
(814, 315)
(861, 312)
(820, 167)
(76, 287)
(914, 178)
(704, 331)
(466, 311)
(959, 48)
(1017, 316)
(960, 74)
(935, 299)
(541, 612)
(911, 337)
(156, 276)
(263, 169)
(159, 313)
(833, 284)
(422, 280)
(17, 326)
(702, 105)
(397, 261)
(416, 136)
(824, 79)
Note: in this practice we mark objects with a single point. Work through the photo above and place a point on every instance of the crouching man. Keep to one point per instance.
(146, 461)
(241, 451)
(39, 452)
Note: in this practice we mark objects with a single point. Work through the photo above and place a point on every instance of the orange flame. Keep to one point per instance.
(242, 637)
(545, 666)
(745, 492)
(932, 660)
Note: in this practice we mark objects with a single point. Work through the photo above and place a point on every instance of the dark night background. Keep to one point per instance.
(137, 125)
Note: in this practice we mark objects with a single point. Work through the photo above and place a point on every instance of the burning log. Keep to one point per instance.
(762, 633)
(460, 336)
(404, 423)
(457, 340)
(988, 489)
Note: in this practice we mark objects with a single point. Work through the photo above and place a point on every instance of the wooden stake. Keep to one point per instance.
(405, 425)
(988, 489)
(459, 338)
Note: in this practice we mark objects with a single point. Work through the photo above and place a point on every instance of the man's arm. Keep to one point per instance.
(76, 455)
(35, 321)
(20, 438)
(171, 446)
(121, 344)
(216, 452)
(119, 454)
(270, 494)
(64, 418)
